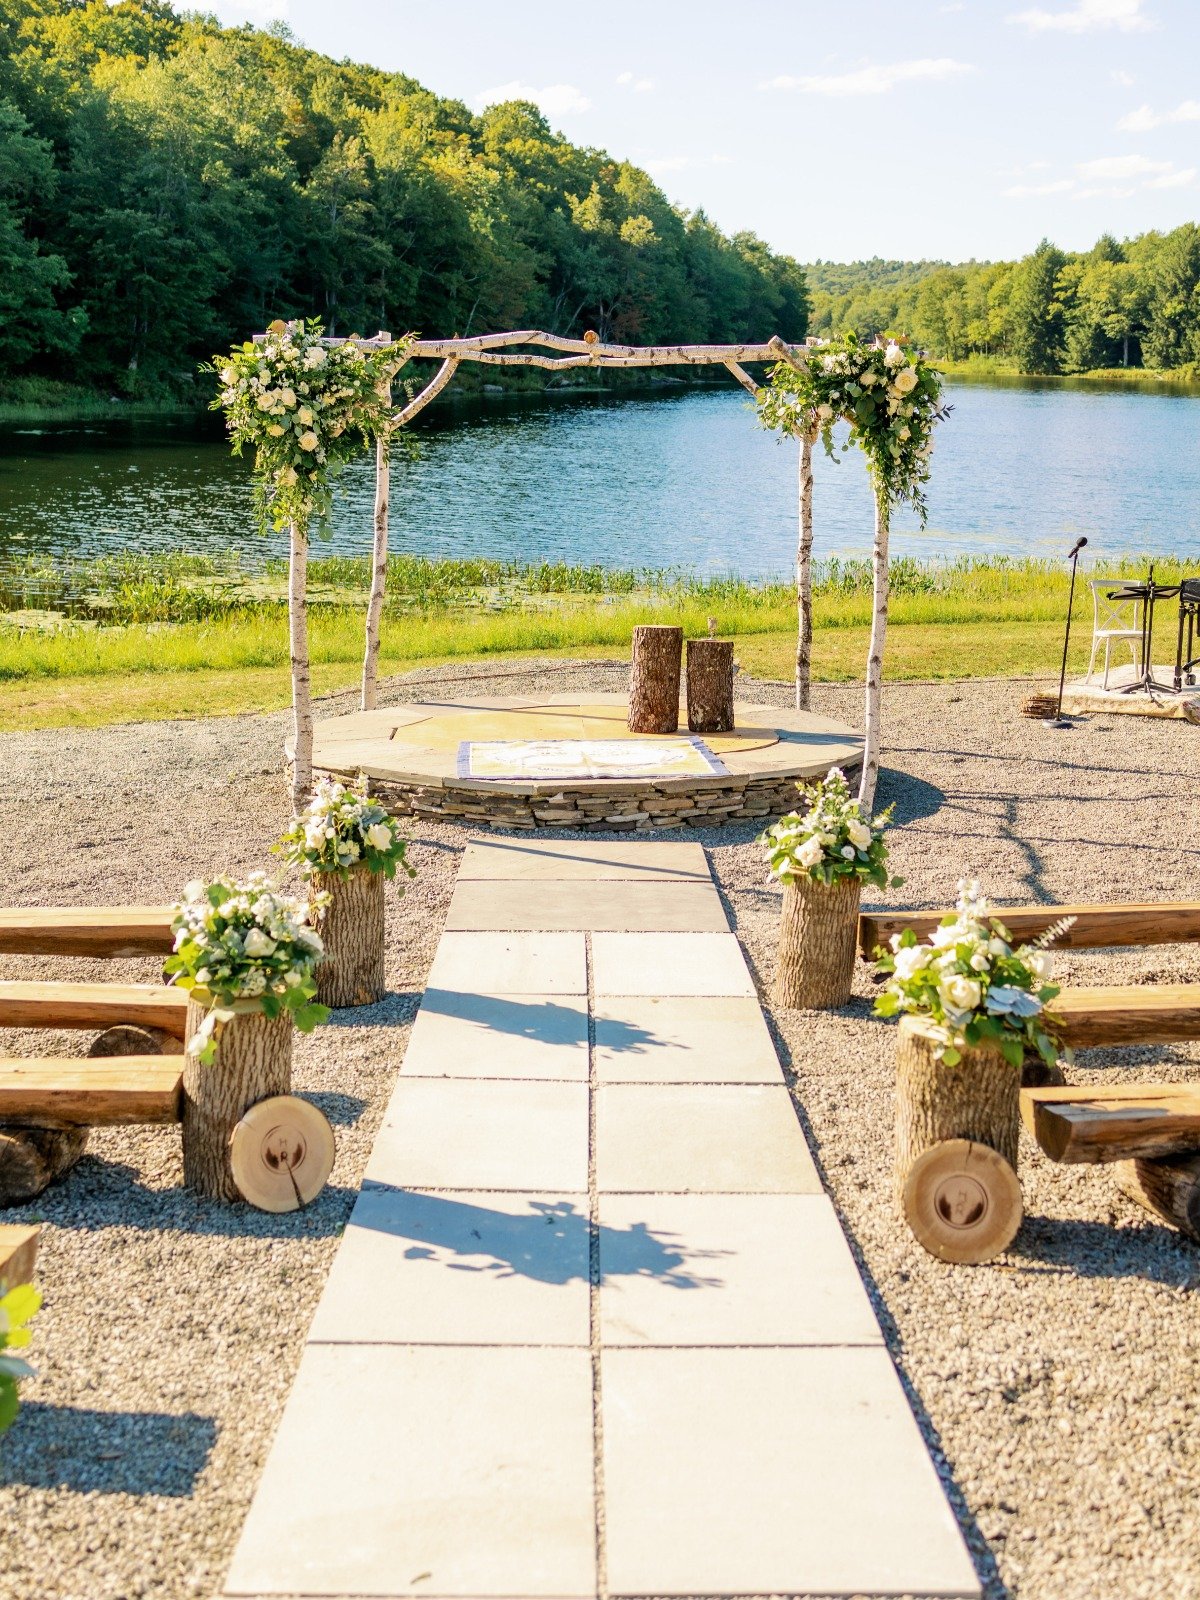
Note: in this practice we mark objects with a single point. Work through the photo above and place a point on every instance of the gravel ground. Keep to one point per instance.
(1057, 1387)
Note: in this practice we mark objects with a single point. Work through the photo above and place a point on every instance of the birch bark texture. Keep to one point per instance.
(379, 560)
(804, 619)
(352, 930)
(654, 679)
(254, 1060)
(818, 942)
(302, 714)
(874, 693)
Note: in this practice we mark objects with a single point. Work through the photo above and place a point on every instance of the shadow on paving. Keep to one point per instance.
(551, 1243)
(107, 1452)
(532, 1019)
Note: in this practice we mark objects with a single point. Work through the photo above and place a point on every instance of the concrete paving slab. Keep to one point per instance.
(466, 1268)
(700, 1139)
(729, 1269)
(593, 859)
(592, 906)
(457, 1133)
(669, 963)
(510, 963)
(771, 1472)
(459, 1035)
(403, 1471)
(683, 1039)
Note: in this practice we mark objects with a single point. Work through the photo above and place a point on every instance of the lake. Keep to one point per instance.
(682, 478)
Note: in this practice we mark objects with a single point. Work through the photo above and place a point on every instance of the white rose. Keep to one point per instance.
(314, 357)
(905, 433)
(810, 852)
(979, 961)
(905, 381)
(893, 355)
(847, 852)
(257, 943)
(228, 375)
(910, 960)
(287, 397)
(275, 430)
(380, 836)
(314, 835)
(304, 415)
(959, 993)
(1041, 964)
(308, 440)
(825, 413)
(859, 835)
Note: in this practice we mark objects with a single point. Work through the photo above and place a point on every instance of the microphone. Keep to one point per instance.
(1078, 547)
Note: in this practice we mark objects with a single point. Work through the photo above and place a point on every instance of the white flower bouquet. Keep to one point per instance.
(305, 408)
(832, 839)
(245, 941)
(972, 985)
(342, 828)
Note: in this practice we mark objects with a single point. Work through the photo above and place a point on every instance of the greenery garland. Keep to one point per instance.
(890, 397)
(305, 408)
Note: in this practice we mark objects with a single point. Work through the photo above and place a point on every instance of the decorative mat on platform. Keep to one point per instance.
(538, 760)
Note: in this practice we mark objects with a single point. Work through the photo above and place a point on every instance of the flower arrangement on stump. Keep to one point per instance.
(972, 1006)
(823, 857)
(891, 399)
(305, 408)
(348, 845)
(247, 956)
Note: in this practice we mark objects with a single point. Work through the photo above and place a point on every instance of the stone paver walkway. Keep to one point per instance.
(594, 1329)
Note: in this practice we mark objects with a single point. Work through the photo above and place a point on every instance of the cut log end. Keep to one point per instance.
(281, 1153)
(962, 1202)
(654, 679)
(127, 1039)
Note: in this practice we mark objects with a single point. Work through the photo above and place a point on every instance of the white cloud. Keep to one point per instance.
(879, 79)
(1173, 180)
(1108, 191)
(1027, 191)
(628, 80)
(556, 99)
(1145, 117)
(1119, 167)
(1087, 16)
(1119, 75)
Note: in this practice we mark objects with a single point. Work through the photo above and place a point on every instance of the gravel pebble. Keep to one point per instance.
(1056, 1387)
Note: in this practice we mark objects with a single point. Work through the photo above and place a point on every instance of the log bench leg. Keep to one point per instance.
(31, 1159)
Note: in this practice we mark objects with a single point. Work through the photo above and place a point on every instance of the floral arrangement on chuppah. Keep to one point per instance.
(347, 844)
(823, 856)
(244, 941)
(305, 408)
(973, 985)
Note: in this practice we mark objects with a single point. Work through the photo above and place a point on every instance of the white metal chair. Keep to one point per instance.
(1114, 621)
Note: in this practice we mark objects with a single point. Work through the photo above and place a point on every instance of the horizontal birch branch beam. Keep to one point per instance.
(503, 349)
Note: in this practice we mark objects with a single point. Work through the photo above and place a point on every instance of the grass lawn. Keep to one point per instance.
(145, 646)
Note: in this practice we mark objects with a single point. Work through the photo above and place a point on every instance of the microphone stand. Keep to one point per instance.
(1059, 720)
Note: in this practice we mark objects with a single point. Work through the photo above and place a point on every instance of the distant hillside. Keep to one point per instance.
(168, 185)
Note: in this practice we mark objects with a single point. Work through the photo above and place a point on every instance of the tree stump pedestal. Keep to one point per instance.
(710, 685)
(818, 935)
(352, 930)
(957, 1129)
(654, 680)
(254, 1060)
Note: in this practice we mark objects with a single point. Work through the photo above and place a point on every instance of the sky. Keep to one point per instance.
(939, 129)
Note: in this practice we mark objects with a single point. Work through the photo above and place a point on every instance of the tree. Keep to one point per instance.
(1036, 311)
(30, 278)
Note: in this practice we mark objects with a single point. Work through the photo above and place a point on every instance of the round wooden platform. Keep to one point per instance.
(495, 762)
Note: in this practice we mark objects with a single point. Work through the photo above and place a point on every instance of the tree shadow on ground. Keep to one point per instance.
(107, 1452)
(551, 1021)
(551, 1241)
(1081, 1248)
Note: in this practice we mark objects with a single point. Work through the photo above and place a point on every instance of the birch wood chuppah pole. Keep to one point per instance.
(503, 349)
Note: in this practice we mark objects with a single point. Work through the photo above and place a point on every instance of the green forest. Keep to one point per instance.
(168, 186)
(1120, 304)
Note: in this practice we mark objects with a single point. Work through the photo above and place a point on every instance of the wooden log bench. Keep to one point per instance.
(37, 1004)
(1089, 1016)
(105, 931)
(1116, 1122)
(1096, 927)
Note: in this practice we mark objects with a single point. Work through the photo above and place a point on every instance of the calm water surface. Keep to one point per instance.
(687, 480)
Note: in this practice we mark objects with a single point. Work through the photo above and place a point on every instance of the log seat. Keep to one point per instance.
(37, 1004)
(1125, 1014)
(1096, 927)
(65, 1092)
(1120, 1122)
(106, 931)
